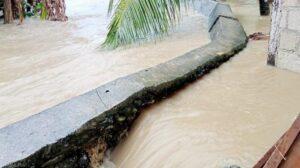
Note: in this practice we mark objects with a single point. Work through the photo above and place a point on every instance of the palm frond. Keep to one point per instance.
(139, 20)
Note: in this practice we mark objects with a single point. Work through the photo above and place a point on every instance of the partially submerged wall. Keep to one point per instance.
(76, 133)
(284, 47)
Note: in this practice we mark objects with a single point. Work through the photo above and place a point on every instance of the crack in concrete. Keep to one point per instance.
(101, 99)
(289, 50)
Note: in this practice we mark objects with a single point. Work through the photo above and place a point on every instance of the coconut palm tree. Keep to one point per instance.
(8, 12)
(141, 20)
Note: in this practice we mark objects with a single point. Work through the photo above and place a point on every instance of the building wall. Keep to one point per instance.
(288, 50)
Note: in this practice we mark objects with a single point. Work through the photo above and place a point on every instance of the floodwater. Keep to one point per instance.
(45, 63)
(230, 117)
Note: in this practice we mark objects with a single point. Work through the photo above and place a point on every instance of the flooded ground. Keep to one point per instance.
(231, 116)
(44, 63)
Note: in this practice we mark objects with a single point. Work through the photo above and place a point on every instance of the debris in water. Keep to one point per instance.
(258, 36)
(286, 150)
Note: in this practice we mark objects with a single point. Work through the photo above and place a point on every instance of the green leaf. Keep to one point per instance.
(141, 20)
(44, 12)
(39, 6)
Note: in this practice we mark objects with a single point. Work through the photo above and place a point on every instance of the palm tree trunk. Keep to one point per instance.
(56, 10)
(20, 11)
(8, 13)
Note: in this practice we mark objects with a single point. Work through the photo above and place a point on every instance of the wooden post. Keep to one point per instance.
(8, 13)
(284, 145)
(287, 146)
(264, 7)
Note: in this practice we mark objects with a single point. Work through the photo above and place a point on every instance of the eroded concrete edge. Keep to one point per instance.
(111, 108)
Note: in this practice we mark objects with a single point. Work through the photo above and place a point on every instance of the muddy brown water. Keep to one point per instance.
(229, 117)
(45, 63)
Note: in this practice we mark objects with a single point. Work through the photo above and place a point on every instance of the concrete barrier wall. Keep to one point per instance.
(285, 35)
(77, 132)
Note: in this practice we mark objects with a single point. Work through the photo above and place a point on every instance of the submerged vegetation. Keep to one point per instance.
(45, 9)
(36, 9)
(132, 20)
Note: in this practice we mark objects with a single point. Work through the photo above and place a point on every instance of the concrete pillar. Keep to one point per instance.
(284, 45)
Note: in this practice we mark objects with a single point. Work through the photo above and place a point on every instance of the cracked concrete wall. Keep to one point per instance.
(288, 49)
